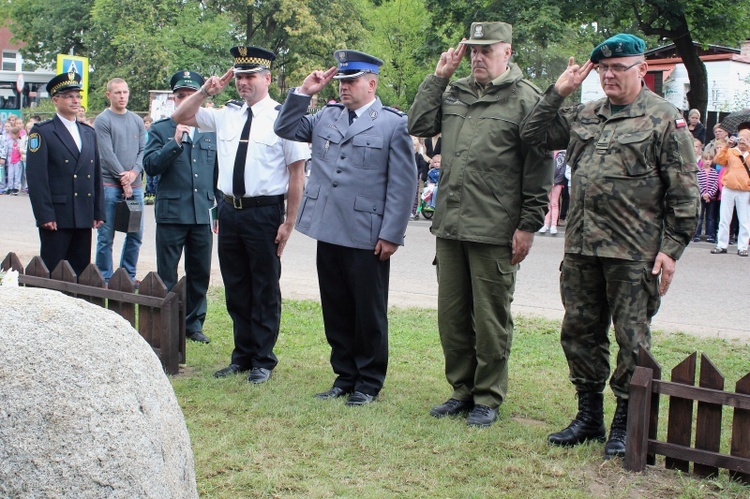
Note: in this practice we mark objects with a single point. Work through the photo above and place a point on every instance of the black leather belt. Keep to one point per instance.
(242, 203)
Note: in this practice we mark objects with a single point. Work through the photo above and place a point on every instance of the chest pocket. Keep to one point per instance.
(208, 151)
(227, 139)
(367, 151)
(325, 139)
(581, 135)
(266, 137)
(636, 152)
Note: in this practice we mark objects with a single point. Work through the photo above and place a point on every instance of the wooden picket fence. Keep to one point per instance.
(160, 313)
(643, 416)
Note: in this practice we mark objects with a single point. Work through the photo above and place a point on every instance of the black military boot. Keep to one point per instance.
(588, 424)
(615, 446)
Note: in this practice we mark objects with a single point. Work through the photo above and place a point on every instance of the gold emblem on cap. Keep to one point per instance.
(186, 74)
(242, 51)
(71, 75)
(605, 51)
(478, 31)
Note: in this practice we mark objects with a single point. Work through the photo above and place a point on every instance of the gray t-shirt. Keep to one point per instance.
(121, 139)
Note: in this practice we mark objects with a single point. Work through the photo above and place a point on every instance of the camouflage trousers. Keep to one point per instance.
(596, 291)
(475, 289)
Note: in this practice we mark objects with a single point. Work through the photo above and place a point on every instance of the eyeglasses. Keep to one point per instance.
(615, 68)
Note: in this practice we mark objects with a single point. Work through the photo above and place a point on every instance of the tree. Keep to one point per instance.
(397, 34)
(682, 22)
(49, 27)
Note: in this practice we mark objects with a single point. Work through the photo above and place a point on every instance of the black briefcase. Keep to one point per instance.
(128, 215)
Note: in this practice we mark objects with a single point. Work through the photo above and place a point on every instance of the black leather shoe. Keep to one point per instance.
(333, 393)
(451, 408)
(359, 398)
(228, 371)
(482, 416)
(198, 336)
(259, 375)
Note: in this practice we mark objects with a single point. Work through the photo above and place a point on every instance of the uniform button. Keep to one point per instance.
(195, 190)
(193, 161)
(66, 160)
(196, 174)
(343, 156)
(75, 176)
(374, 208)
(468, 117)
(338, 171)
(89, 194)
(450, 194)
(76, 194)
(91, 160)
(335, 184)
(458, 153)
(88, 176)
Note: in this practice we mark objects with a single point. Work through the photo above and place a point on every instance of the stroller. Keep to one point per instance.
(426, 204)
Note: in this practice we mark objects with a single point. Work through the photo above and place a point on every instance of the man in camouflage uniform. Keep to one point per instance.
(633, 209)
(493, 191)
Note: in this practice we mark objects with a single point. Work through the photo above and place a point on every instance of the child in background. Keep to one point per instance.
(708, 181)
(13, 161)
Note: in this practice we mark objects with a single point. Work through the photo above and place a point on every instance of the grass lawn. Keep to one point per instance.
(275, 440)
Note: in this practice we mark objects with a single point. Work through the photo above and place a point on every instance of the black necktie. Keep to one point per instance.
(352, 117)
(238, 177)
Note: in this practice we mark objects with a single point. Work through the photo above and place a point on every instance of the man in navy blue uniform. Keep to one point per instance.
(186, 160)
(357, 205)
(64, 178)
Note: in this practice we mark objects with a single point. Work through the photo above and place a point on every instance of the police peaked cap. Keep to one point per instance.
(251, 59)
(186, 79)
(63, 82)
(353, 64)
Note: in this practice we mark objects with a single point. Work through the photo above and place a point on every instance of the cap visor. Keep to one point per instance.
(253, 70)
(350, 76)
(480, 42)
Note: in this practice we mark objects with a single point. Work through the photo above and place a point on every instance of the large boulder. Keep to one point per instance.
(85, 407)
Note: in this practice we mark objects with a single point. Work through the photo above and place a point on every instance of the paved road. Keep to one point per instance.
(709, 296)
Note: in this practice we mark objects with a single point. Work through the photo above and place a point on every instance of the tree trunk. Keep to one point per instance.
(698, 94)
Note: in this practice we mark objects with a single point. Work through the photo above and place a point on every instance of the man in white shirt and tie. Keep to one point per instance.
(257, 170)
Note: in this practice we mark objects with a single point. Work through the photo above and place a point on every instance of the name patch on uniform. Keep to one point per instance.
(680, 123)
(35, 142)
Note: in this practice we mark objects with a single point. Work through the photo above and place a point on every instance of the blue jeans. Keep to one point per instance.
(131, 248)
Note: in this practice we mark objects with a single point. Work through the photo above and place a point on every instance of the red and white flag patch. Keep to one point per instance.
(680, 123)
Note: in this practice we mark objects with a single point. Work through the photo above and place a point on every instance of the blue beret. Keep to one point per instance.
(620, 45)
(353, 64)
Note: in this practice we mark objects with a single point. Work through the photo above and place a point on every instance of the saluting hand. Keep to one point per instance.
(449, 61)
(215, 85)
(572, 77)
(316, 80)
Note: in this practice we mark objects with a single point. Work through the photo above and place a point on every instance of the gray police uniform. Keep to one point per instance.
(361, 187)
(185, 195)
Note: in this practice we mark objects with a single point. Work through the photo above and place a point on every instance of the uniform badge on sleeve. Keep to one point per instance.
(680, 123)
(35, 141)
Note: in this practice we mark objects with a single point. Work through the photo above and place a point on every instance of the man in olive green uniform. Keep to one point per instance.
(633, 209)
(493, 191)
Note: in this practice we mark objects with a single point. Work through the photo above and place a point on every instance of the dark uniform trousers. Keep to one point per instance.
(197, 239)
(596, 291)
(73, 245)
(354, 297)
(251, 271)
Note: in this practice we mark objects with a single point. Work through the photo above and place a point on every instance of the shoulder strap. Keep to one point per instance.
(745, 165)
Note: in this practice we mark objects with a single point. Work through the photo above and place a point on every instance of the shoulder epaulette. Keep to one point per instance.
(235, 103)
(394, 110)
(85, 123)
(335, 104)
(45, 122)
(159, 121)
(530, 84)
(278, 108)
